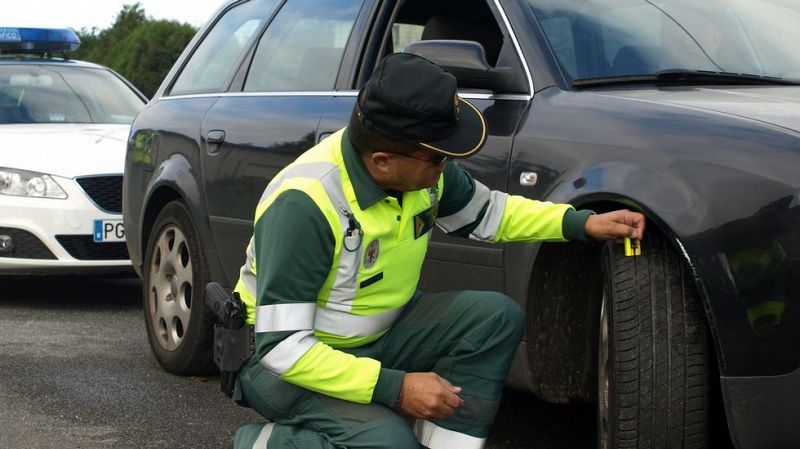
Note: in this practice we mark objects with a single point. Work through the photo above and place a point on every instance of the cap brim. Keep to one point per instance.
(469, 136)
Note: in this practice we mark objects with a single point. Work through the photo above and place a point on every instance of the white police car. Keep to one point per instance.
(63, 131)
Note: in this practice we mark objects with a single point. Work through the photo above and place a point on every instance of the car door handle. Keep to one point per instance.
(214, 140)
(215, 136)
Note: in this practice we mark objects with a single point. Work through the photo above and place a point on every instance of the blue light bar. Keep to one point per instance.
(38, 40)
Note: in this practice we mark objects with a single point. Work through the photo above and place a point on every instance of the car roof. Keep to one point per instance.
(38, 60)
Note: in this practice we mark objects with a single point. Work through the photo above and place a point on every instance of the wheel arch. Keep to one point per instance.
(159, 198)
(173, 180)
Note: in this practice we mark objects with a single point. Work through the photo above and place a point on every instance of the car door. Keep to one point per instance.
(271, 114)
(452, 263)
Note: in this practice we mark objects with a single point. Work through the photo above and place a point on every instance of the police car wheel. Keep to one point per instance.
(653, 360)
(174, 275)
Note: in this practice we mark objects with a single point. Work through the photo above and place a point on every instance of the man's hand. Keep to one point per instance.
(428, 396)
(615, 225)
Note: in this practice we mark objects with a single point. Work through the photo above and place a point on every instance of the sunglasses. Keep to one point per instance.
(439, 159)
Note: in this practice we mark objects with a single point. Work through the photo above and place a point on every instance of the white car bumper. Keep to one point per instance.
(51, 236)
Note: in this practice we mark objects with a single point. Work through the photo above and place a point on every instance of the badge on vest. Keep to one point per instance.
(423, 222)
(371, 253)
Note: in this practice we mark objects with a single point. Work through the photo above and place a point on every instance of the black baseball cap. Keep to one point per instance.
(409, 98)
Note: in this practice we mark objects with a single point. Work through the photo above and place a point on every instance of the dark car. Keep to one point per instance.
(687, 111)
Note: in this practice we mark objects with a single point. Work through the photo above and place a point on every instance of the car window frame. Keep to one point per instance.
(245, 68)
(243, 57)
(360, 23)
(352, 56)
(541, 63)
(373, 44)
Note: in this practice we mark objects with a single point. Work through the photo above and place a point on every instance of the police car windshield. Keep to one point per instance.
(618, 38)
(48, 93)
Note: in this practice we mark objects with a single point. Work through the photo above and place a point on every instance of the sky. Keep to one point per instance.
(79, 14)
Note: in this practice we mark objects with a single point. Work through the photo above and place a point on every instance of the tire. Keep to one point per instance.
(174, 277)
(653, 354)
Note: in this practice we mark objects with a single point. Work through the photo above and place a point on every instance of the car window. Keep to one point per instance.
(214, 59)
(645, 27)
(606, 38)
(302, 48)
(773, 31)
(405, 33)
(465, 20)
(57, 94)
(471, 21)
(559, 34)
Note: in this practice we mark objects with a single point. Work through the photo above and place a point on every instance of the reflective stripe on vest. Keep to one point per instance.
(285, 317)
(345, 324)
(313, 170)
(307, 316)
(286, 353)
(486, 230)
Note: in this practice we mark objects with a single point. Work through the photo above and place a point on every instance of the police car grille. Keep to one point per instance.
(105, 191)
(83, 247)
(25, 246)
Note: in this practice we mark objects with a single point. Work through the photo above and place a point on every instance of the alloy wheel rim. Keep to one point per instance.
(170, 288)
(602, 378)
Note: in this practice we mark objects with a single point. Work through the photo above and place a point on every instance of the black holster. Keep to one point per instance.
(231, 351)
(233, 339)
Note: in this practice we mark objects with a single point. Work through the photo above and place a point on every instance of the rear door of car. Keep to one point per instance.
(452, 263)
(169, 127)
(270, 114)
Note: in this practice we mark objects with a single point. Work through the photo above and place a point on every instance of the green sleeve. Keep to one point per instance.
(457, 190)
(574, 225)
(518, 218)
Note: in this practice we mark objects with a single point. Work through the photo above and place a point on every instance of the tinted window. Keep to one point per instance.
(404, 34)
(599, 38)
(56, 94)
(214, 59)
(469, 20)
(302, 48)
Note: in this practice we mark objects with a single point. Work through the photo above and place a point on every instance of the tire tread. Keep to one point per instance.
(659, 355)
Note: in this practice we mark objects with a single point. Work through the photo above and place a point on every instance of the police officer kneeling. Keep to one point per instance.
(347, 352)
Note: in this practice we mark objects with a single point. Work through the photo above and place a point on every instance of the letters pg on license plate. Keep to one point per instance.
(109, 231)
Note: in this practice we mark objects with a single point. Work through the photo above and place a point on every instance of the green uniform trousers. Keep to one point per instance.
(467, 337)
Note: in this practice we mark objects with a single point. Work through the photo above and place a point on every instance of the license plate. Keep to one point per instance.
(109, 231)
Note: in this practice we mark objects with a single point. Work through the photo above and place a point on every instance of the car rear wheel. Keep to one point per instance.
(653, 356)
(174, 274)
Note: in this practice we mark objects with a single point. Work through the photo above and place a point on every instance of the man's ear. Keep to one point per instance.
(381, 161)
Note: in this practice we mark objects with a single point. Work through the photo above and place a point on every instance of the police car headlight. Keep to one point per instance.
(26, 183)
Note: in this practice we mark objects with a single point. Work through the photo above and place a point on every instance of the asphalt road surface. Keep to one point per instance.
(76, 372)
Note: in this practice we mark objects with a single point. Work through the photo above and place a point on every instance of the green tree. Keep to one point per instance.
(140, 48)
